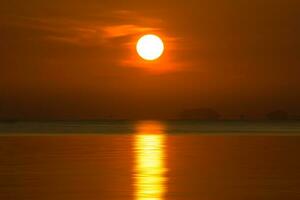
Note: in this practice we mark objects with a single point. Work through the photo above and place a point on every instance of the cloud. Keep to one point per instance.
(115, 31)
(126, 30)
(93, 32)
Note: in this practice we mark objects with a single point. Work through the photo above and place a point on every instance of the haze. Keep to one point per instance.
(74, 59)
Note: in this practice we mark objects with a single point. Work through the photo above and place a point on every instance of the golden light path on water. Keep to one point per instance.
(150, 170)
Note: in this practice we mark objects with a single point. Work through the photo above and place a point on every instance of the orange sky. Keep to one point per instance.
(64, 59)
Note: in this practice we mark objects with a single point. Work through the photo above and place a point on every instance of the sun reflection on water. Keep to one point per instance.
(150, 169)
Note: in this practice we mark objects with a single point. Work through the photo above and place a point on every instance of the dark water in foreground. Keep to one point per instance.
(150, 163)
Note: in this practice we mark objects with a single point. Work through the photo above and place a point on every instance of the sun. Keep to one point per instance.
(150, 47)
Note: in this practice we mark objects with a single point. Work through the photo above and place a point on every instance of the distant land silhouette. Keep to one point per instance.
(188, 114)
(281, 115)
(278, 115)
(200, 114)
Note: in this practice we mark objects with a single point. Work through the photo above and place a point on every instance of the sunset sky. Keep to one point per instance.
(71, 59)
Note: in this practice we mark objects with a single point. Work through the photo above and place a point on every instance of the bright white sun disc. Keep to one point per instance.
(150, 47)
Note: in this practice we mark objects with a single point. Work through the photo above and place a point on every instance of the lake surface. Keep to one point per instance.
(150, 160)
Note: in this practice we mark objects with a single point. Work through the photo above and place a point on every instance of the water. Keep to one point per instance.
(149, 161)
